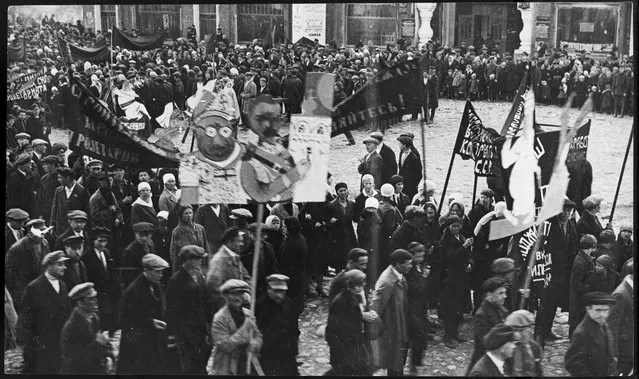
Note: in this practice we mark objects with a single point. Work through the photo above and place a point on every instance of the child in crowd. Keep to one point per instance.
(461, 89)
(596, 98)
(544, 93)
(606, 100)
(492, 87)
(473, 88)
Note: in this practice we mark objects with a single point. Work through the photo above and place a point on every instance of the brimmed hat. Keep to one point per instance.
(240, 212)
(22, 159)
(82, 290)
(154, 262)
(36, 223)
(499, 336)
(413, 211)
(191, 252)
(503, 265)
(17, 214)
(23, 135)
(591, 202)
(73, 240)
(52, 159)
(406, 140)
(38, 141)
(53, 258)
(278, 281)
(520, 319)
(100, 231)
(377, 135)
(94, 162)
(568, 202)
(234, 285)
(77, 214)
(371, 140)
(605, 261)
(494, 283)
(143, 227)
(598, 298)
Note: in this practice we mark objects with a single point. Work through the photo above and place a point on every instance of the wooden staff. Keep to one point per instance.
(250, 358)
(450, 168)
(623, 168)
(423, 154)
(474, 192)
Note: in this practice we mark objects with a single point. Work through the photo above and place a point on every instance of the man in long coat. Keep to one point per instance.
(76, 272)
(389, 160)
(14, 228)
(132, 257)
(45, 309)
(141, 316)
(23, 183)
(621, 322)
(430, 94)
(389, 301)
(48, 184)
(372, 162)
(341, 234)
(77, 225)
(581, 280)
(104, 208)
(24, 261)
(215, 220)
(70, 196)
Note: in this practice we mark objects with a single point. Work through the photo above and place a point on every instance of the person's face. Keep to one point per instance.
(508, 349)
(145, 193)
(356, 290)
(100, 243)
(74, 251)
(430, 214)
(277, 295)
(455, 228)
(143, 176)
(598, 313)
(49, 167)
(78, 224)
(266, 119)
(237, 244)
(118, 174)
(187, 215)
(370, 147)
(456, 210)
(565, 215)
(143, 237)
(329, 181)
(193, 264)
(342, 193)
(368, 184)
(234, 299)
(22, 116)
(497, 297)
(154, 275)
(170, 184)
(399, 187)
(57, 270)
(89, 304)
(404, 267)
(262, 82)
(361, 264)
(625, 234)
(418, 256)
(485, 200)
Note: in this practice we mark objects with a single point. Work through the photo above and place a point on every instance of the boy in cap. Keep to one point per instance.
(136, 250)
(235, 332)
(278, 324)
(84, 348)
(527, 357)
(141, 318)
(76, 270)
(500, 344)
(42, 317)
(188, 313)
(14, 229)
(505, 268)
(590, 352)
(389, 160)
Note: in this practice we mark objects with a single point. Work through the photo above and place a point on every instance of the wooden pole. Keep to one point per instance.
(450, 168)
(256, 259)
(423, 154)
(623, 168)
(474, 192)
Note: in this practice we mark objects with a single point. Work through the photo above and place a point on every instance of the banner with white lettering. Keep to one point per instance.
(391, 94)
(476, 142)
(309, 20)
(28, 86)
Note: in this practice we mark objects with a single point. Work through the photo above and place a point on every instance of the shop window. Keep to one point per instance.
(262, 21)
(152, 17)
(107, 14)
(593, 28)
(372, 22)
(207, 19)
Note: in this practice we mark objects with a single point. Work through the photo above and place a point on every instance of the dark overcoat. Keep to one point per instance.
(79, 200)
(44, 197)
(485, 367)
(106, 284)
(341, 233)
(621, 322)
(373, 165)
(389, 164)
(22, 193)
(131, 265)
(589, 224)
(590, 351)
(214, 226)
(411, 170)
(581, 278)
(81, 353)
(280, 334)
(487, 316)
(455, 258)
(417, 300)
(22, 265)
(563, 248)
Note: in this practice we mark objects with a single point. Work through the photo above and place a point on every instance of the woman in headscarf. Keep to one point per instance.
(142, 209)
(432, 235)
(368, 191)
(292, 262)
(409, 164)
(368, 236)
(274, 232)
(169, 199)
(455, 207)
(421, 197)
(457, 263)
(186, 233)
(96, 86)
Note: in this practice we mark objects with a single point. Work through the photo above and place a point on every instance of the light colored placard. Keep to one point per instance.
(309, 20)
(310, 138)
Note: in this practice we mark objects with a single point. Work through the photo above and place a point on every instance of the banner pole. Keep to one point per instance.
(474, 191)
(623, 168)
(423, 153)
(256, 258)
(450, 168)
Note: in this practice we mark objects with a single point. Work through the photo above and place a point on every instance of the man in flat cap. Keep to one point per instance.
(76, 272)
(40, 147)
(621, 322)
(389, 160)
(48, 184)
(581, 279)
(23, 183)
(505, 268)
(14, 228)
(527, 357)
(45, 308)
(226, 264)
(430, 94)
(70, 196)
(84, 348)
(277, 322)
(104, 206)
(241, 218)
(143, 343)
(589, 223)
(389, 302)
(372, 162)
(89, 177)
(235, 332)
(500, 344)
(100, 267)
(625, 247)
(188, 312)
(131, 263)
(490, 313)
(77, 224)
(23, 260)
(590, 352)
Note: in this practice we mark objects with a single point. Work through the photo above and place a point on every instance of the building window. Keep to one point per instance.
(591, 28)
(261, 21)
(376, 22)
(152, 17)
(107, 14)
(207, 19)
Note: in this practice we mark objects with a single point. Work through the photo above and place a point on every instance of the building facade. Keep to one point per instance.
(515, 26)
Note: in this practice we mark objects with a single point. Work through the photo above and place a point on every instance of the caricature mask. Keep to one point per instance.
(264, 117)
(213, 129)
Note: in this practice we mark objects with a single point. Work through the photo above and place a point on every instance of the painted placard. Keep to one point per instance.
(309, 20)
(310, 139)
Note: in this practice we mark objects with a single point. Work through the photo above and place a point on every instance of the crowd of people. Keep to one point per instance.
(92, 248)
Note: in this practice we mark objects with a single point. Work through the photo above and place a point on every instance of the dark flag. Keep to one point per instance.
(92, 54)
(516, 114)
(477, 142)
(137, 43)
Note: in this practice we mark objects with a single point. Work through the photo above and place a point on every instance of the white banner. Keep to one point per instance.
(309, 20)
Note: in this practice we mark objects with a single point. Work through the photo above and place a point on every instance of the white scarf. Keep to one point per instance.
(143, 203)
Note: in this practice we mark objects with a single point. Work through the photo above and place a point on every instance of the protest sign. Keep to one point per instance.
(28, 86)
(310, 138)
(476, 142)
(391, 94)
(309, 20)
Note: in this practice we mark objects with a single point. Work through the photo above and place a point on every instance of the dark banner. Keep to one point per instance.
(91, 54)
(138, 43)
(516, 114)
(391, 94)
(29, 86)
(99, 134)
(476, 142)
(15, 52)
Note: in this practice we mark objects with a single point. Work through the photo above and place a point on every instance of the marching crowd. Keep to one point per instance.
(92, 248)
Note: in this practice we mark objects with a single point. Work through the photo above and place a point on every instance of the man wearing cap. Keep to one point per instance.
(562, 243)
(14, 229)
(505, 268)
(357, 258)
(23, 260)
(186, 233)
(389, 302)
(527, 357)
(589, 222)
(89, 177)
(279, 326)
(268, 263)
(77, 224)
(591, 351)
(399, 199)
(70, 196)
(430, 94)
(483, 205)
(76, 272)
(48, 184)
(235, 331)
(389, 160)
(625, 247)
(44, 310)
(131, 263)
(391, 220)
(141, 318)
(621, 321)
(581, 279)
(340, 228)
(104, 207)
(417, 300)
(500, 344)
(226, 264)
(372, 162)
(40, 147)
(490, 313)
(188, 313)
(22, 185)
(240, 217)
(83, 347)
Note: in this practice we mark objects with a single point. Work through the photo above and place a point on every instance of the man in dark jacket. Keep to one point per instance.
(280, 332)
(389, 160)
(430, 94)
(391, 220)
(372, 163)
(84, 349)
(14, 228)
(621, 322)
(132, 257)
(215, 220)
(70, 196)
(409, 231)
(589, 222)
(417, 300)
(490, 313)
(188, 312)
(581, 280)
(77, 224)
(500, 344)
(143, 343)
(590, 352)
(76, 272)
(292, 89)
(48, 184)
(23, 183)
(45, 309)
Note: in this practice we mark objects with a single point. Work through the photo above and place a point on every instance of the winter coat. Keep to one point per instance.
(621, 323)
(411, 170)
(590, 352)
(389, 163)
(280, 334)
(81, 353)
(22, 191)
(580, 284)
(106, 283)
(292, 263)
(231, 342)
(223, 267)
(455, 259)
(373, 165)
(79, 200)
(417, 301)
(23, 264)
(563, 248)
(186, 234)
(214, 226)
(487, 316)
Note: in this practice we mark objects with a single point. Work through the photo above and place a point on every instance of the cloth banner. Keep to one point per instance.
(28, 86)
(476, 142)
(305, 42)
(513, 122)
(91, 54)
(391, 94)
(99, 134)
(521, 245)
(137, 43)
(15, 52)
